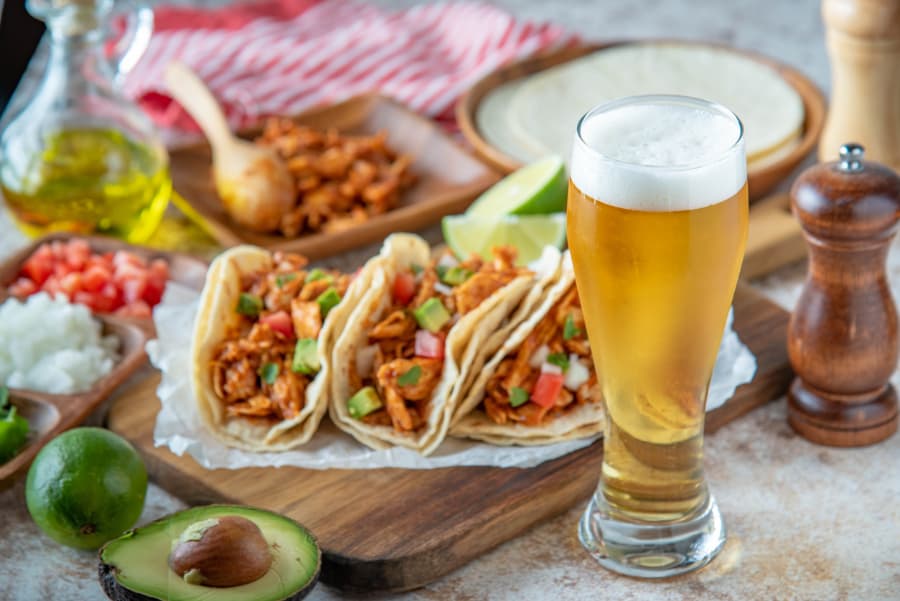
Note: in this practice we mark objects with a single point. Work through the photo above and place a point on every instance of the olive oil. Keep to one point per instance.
(89, 181)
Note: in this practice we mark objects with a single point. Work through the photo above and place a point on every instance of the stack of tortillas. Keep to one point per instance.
(534, 116)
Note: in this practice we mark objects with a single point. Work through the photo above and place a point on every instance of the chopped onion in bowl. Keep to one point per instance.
(53, 346)
(539, 356)
(577, 374)
(365, 359)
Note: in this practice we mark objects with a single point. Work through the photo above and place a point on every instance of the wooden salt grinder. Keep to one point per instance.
(842, 338)
(863, 39)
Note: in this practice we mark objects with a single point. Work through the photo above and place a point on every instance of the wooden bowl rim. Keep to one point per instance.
(814, 104)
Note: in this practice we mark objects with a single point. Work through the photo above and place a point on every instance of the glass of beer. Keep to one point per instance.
(657, 223)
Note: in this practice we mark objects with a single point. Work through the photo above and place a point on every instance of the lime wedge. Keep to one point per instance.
(467, 234)
(536, 189)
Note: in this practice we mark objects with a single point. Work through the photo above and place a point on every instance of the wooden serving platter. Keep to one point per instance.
(392, 529)
(762, 180)
(448, 178)
(775, 238)
(50, 414)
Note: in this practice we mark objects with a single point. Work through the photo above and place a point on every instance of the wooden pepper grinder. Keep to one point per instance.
(864, 48)
(842, 338)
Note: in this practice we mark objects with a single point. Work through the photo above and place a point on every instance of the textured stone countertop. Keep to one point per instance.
(805, 522)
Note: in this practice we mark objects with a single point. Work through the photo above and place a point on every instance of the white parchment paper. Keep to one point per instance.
(178, 425)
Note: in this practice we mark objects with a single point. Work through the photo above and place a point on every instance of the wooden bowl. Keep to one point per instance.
(51, 414)
(183, 269)
(448, 178)
(761, 179)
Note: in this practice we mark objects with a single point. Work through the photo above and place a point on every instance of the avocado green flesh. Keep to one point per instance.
(140, 558)
(432, 315)
(363, 403)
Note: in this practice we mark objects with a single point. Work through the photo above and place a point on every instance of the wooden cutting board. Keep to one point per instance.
(395, 529)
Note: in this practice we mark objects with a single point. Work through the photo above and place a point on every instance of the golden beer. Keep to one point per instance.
(657, 224)
(656, 293)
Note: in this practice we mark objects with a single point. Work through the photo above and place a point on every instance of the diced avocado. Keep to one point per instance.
(306, 357)
(249, 304)
(317, 274)
(363, 403)
(456, 276)
(432, 315)
(328, 300)
(136, 565)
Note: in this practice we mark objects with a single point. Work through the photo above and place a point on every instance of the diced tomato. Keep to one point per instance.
(135, 309)
(133, 288)
(51, 286)
(547, 389)
(38, 267)
(61, 269)
(94, 278)
(280, 322)
(77, 253)
(120, 281)
(128, 271)
(404, 288)
(23, 287)
(59, 249)
(123, 257)
(153, 292)
(429, 345)
(70, 284)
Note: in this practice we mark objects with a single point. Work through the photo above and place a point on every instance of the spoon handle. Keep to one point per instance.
(190, 91)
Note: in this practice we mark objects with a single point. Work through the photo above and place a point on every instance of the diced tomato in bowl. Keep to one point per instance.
(118, 282)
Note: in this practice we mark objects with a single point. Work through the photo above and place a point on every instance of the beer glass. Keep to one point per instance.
(657, 223)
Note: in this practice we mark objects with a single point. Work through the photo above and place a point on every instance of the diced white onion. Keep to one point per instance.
(577, 374)
(448, 261)
(539, 356)
(549, 368)
(365, 359)
(443, 289)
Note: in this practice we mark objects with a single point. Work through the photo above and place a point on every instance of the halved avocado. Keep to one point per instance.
(135, 566)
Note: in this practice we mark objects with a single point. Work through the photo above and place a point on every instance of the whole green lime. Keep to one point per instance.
(86, 487)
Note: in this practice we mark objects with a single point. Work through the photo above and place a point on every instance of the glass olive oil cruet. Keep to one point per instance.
(80, 156)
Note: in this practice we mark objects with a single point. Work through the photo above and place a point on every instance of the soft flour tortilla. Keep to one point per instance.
(537, 115)
(470, 421)
(217, 316)
(463, 351)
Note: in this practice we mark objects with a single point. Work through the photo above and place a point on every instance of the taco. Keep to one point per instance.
(406, 356)
(540, 386)
(262, 345)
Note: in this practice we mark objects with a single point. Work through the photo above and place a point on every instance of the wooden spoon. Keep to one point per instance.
(253, 182)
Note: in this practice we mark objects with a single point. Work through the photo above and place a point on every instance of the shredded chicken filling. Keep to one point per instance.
(516, 370)
(251, 368)
(406, 406)
(340, 180)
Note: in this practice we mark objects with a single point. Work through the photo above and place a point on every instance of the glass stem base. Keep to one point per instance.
(651, 549)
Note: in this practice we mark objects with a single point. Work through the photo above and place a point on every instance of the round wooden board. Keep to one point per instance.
(761, 180)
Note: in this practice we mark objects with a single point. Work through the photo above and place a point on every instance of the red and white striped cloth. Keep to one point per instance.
(284, 56)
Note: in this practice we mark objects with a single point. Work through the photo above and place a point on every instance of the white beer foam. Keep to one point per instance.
(665, 156)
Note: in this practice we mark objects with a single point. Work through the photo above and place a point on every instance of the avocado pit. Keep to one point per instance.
(221, 552)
